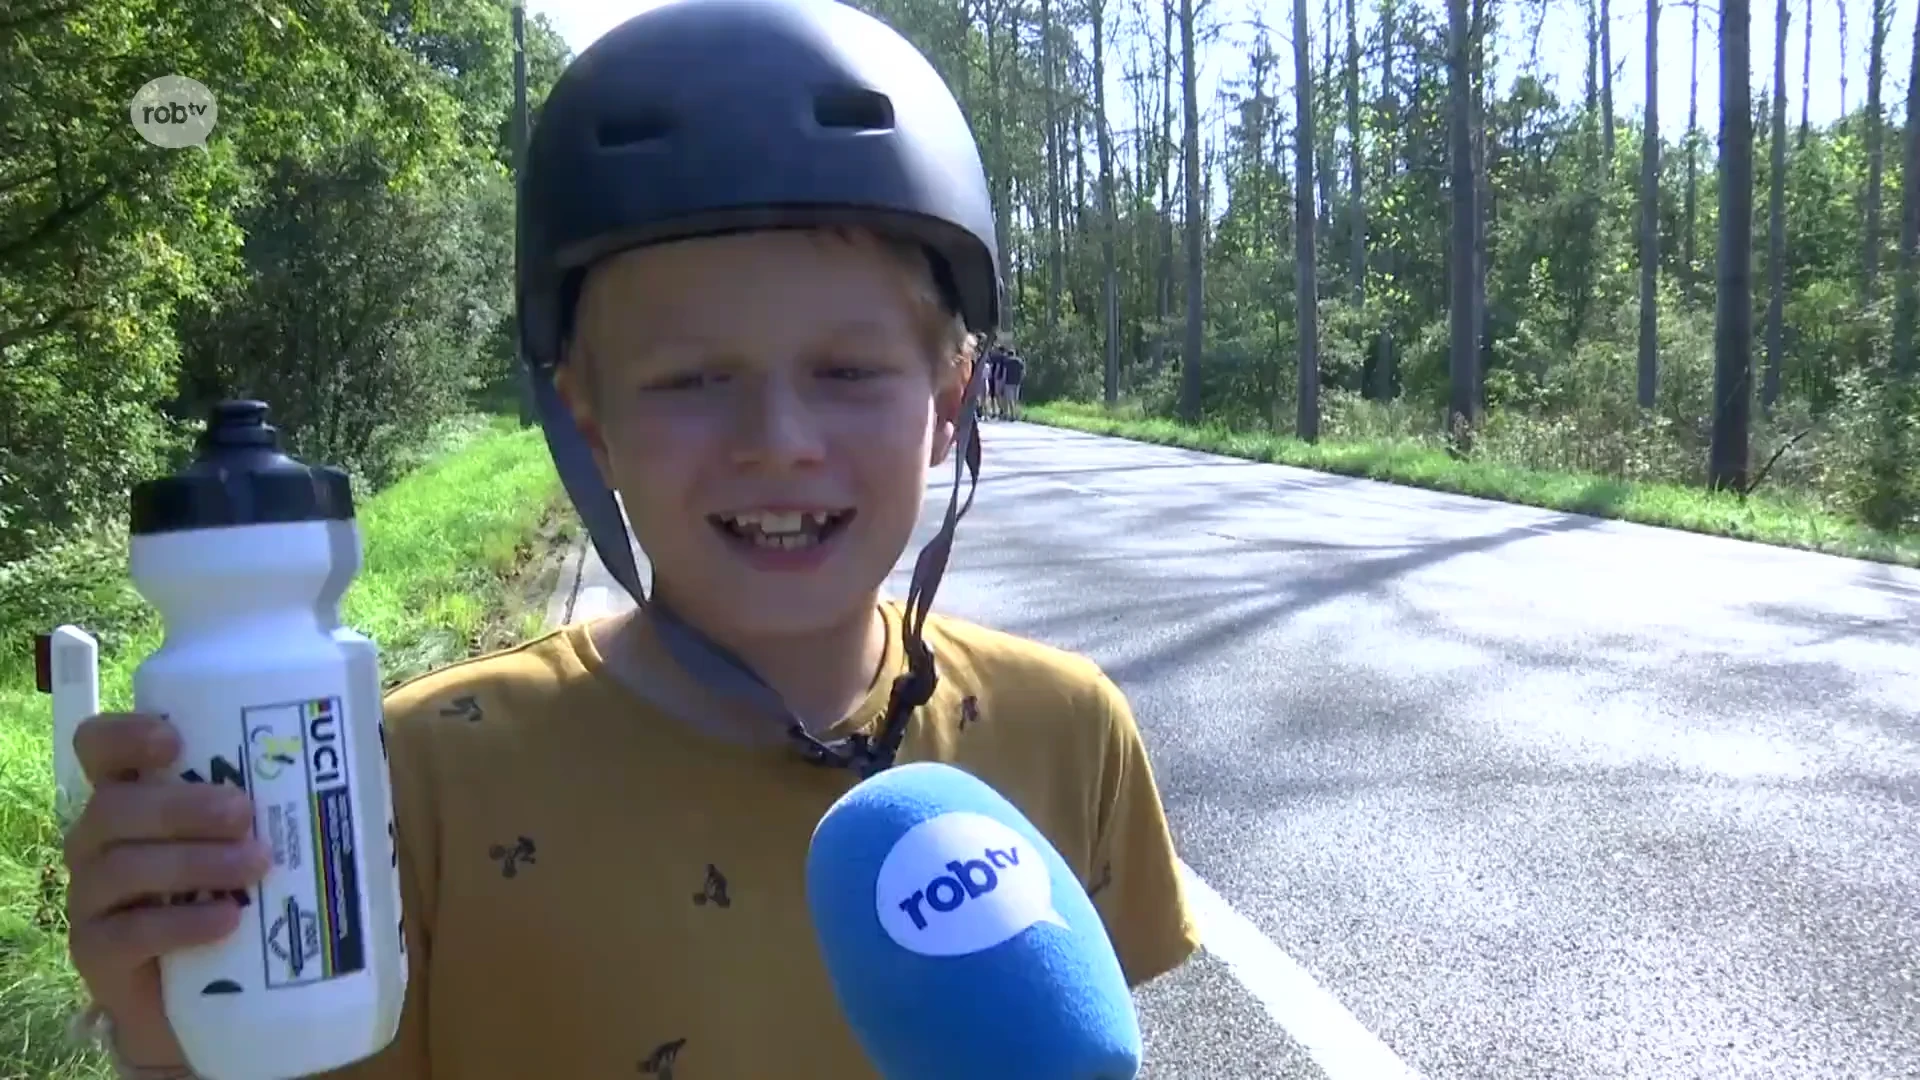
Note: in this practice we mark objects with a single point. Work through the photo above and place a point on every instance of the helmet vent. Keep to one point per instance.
(634, 130)
(853, 109)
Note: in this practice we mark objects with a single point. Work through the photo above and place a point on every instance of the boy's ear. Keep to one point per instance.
(948, 398)
(573, 382)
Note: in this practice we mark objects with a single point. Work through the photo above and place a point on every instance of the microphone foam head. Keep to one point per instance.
(959, 942)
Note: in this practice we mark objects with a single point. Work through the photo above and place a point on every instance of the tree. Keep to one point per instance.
(1355, 173)
(1840, 9)
(1733, 318)
(1776, 213)
(1196, 222)
(1689, 228)
(1464, 351)
(1806, 79)
(1650, 220)
(1056, 251)
(1606, 77)
(1879, 16)
(1906, 311)
(1306, 291)
(1109, 269)
(1382, 383)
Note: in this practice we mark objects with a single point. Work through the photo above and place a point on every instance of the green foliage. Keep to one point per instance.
(362, 305)
(342, 246)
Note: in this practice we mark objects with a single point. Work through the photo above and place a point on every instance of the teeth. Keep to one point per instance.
(782, 530)
(785, 542)
(779, 523)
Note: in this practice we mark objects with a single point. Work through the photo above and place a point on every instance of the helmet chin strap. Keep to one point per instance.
(718, 668)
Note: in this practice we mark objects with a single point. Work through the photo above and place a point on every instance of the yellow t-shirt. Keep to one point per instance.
(594, 888)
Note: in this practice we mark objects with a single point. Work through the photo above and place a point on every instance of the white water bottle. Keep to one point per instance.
(246, 553)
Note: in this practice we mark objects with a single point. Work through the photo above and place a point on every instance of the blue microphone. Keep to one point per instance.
(958, 942)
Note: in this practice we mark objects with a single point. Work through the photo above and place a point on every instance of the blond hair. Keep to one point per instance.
(941, 331)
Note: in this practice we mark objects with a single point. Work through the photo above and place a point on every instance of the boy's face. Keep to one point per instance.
(768, 407)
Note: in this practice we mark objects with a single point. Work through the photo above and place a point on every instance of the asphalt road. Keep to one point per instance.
(1532, 795)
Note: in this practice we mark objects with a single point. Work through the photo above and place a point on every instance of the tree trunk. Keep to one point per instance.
(1109, 268)
(1840, 7)
(1464, 353)
(1733, 315)
(1001, 171)
(1079, 177)
(1056, 261)
(1593, 59)
(1648, 381)
(1306, 291)
(1806, 78)
(1776, 215)
(1606, 78)
(1196, 223)
(522, 129)
(1284, 268)
(1355, 188)
(1389, 149)
(1164, 278)
(1906, 303)
(1483, 197)
(1876, 141)
(1689, 231)
(1324, 153)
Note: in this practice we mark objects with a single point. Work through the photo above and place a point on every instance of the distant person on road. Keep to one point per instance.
(989, 403)
(602, 833)
(1012, 370)
(996, 402)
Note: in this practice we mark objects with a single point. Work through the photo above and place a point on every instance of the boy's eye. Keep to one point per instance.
(686, 380)
(851, 372)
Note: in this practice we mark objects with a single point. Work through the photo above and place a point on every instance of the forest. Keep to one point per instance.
(1398, 232)
(1406, 235)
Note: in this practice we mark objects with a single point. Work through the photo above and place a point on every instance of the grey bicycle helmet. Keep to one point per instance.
(704, 117)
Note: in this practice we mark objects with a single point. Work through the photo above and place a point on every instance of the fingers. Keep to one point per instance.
(126, 873)
(121, 942)
(121, 746)
(122, 813)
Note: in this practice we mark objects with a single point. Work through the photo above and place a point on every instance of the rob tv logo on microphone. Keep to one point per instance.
(962, 883)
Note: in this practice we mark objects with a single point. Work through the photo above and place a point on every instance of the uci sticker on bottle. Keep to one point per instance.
(310, 918)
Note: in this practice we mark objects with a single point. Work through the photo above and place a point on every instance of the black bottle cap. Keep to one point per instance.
(240, 477)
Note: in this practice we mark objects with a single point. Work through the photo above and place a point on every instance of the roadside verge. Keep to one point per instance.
(1765, 517)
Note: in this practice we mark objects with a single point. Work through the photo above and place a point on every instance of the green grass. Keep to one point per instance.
(1764, 517)
(448, 547)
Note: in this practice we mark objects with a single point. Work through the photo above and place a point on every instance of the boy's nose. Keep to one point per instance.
(777, 428)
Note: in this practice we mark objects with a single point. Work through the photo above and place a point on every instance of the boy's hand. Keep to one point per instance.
(145, 835)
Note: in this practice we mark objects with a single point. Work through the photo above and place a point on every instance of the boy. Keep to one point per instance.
(603, 832)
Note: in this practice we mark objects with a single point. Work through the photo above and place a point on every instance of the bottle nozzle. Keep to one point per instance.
(240, 424)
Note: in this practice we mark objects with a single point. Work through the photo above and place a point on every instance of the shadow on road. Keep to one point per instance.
(1232, 545)
(1016, 473)
(1304, 591)
(1828, 627)
(1639, 783)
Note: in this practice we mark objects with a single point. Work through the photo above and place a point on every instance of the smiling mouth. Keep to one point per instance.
(782, 531)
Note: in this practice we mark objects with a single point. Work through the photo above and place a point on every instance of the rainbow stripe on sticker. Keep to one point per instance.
(311, 919)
